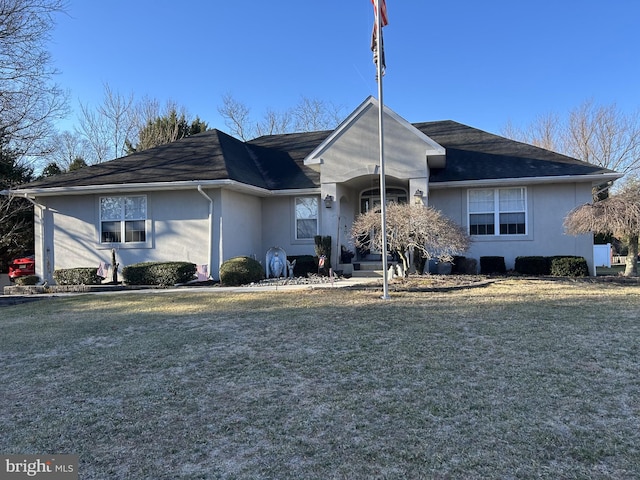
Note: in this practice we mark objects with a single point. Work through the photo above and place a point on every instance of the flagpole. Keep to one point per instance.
(383, 186)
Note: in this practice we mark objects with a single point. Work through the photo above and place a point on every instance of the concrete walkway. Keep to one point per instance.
(342, 283)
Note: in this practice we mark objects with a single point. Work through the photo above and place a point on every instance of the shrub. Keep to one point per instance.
(241, 271)
(533, 265)
(77, 276)
(305, 264)
(464, 265)
(159, 273)
(27, 280)
(569, 267)
(491, 264)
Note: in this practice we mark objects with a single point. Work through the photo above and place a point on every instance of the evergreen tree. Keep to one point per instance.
(16, 214)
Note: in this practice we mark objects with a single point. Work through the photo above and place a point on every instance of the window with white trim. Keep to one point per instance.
(498, 211)
(306, 217)
(123, 219)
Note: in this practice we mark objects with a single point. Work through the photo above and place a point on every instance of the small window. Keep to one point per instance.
(123, 219)
(306, 218)
(499, 211)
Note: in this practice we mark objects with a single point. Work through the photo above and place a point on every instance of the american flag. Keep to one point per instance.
(383, 12)
(384, 20)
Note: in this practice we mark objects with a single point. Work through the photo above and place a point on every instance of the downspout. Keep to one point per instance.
(209, 256)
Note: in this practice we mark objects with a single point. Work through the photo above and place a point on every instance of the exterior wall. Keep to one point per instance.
(356, 152)
(547, 207)
(241, 226)
(68, 232)
(278, 224)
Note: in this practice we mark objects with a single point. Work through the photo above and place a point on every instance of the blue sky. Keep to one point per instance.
(479, 63)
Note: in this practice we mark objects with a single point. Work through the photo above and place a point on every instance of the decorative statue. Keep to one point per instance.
(276, 263)
(290, 266)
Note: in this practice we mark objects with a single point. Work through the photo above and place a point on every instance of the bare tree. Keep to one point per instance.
(274, 123)
(236, 117)
(307, 115)
(599, 134)
(108, 127)
(29, 99)
(313, 114)
(543, 132)
(66, 147)
(411, 227)
(618, 215)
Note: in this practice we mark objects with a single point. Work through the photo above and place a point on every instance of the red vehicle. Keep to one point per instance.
(21, 267)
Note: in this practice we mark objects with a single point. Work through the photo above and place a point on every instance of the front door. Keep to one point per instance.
(370, 199)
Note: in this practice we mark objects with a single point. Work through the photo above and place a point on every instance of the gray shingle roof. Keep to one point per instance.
(473, 154)
(276, 162)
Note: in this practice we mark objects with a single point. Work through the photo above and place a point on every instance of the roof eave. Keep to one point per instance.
(160, 186)
(595, 179)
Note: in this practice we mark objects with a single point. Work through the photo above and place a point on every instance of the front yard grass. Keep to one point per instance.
(520, 378)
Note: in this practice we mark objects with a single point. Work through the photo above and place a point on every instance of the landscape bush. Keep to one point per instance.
(569, 267)
(558, 266)
(464, 265)
(241, 271)
(77, 276)
(159, 273)
(492, 264)
(533, 265)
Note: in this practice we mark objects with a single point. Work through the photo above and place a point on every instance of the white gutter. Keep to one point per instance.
(210, 243)
(156, 186)
(595, 179)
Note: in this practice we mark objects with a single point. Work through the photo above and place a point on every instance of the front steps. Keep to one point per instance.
(370, 269)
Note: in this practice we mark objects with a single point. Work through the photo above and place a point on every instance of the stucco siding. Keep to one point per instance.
(356, 151)
(241, 225)
(278, 224)
(177, 229)
(547, 206)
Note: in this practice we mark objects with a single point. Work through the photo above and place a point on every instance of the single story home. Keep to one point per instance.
(211, 197)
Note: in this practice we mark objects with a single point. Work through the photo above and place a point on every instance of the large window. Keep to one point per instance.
(498, 211)
(306, 218)
(123, 219)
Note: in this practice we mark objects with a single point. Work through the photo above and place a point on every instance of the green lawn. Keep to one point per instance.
(517, 379)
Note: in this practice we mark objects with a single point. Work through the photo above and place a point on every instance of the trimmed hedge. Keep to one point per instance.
(464, 265)
(77, 276)
(533, 265)
(241, 271)
(491, 264)
(558, 266)
(569, 267)
(159, 273)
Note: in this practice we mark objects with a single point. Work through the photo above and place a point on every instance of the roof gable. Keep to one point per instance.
(352, 149)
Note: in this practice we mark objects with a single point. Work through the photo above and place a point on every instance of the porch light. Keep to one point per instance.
(328, 201)
(418, 194)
